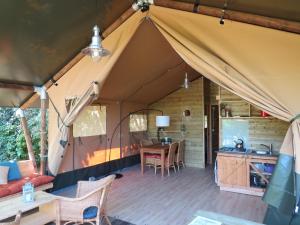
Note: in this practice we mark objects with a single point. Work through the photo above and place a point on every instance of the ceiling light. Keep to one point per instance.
(142, 5)
(186, 82)
(222, 21)
(95, 49)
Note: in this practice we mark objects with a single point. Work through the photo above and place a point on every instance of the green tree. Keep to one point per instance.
(12, 140)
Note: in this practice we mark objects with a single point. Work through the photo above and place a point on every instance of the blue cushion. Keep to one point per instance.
(90, 212)
(14, 172)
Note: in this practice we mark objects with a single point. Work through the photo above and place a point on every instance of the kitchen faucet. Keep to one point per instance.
(269, 147)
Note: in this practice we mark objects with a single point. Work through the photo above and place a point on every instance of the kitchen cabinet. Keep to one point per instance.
(244, 173)
(232, 171)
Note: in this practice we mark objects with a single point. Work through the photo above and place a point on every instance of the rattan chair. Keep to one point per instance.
(89, 204)
(180, 155)
(15, 222)
(170, 160)
(149, 158)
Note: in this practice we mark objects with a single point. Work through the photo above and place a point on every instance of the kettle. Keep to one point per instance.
(239, 144)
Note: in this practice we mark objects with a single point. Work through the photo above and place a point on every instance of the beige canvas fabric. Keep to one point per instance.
(258, 64)
(76, 83)
(61, 140)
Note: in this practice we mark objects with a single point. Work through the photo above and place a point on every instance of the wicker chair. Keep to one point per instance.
(149, 158)
(180, 155)
(170, 160)
(15, 222)
(155, 141)
(89, 204)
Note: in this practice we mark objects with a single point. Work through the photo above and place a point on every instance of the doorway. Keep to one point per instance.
(211, 131)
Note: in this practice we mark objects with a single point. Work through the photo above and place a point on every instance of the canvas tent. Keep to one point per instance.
(248, 60)
(256, 63)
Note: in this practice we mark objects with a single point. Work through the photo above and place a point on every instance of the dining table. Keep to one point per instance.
(159, 148)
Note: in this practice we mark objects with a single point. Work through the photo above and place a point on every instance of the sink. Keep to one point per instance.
(260, 152)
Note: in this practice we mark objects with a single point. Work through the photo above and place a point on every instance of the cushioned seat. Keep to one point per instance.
(90, 212)
(153, 156)
(15, 186)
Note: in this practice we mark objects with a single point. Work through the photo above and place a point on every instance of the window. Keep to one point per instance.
(138, 122)
(90, 122)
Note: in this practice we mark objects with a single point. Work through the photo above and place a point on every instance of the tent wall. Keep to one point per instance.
(93, 150)
(174, 105)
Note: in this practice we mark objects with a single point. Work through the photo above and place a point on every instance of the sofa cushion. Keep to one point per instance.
(41, 180)
(3, 174)
(15, 186)
(14, 172)
(4, 192)
(90, 212)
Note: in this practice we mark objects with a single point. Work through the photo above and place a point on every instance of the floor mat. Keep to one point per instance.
(119, 222)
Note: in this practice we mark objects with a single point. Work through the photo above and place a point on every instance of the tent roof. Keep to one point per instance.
(38, 38)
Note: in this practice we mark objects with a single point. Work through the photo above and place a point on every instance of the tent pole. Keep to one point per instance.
(269, 22)
(20, 114)
(129, 12)
(43, 133)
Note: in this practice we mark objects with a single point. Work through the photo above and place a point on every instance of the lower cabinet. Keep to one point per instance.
(248, 174)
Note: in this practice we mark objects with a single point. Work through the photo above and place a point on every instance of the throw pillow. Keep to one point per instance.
(3, 174)
(14, 172)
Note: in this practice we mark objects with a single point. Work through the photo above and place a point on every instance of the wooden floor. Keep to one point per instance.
(152, 200)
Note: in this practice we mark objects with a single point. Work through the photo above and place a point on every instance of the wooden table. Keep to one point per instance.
(47, 205)
(154, 149)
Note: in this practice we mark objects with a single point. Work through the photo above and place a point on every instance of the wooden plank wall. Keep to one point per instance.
(261, 130)
(174, 105)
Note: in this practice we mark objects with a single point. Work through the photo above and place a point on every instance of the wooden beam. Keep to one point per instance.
(43, 135)
(16, 86)
(78, 57)
(28, 139)
(273, 23)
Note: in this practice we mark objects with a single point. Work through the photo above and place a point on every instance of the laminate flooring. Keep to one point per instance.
(151, 200)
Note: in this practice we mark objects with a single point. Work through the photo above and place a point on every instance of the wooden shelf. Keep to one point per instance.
(264, 173)
(247, 117)
(233, 101)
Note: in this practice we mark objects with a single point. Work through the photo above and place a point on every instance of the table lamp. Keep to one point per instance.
(161, 123)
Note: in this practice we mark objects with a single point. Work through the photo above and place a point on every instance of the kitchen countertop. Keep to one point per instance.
(247, 152)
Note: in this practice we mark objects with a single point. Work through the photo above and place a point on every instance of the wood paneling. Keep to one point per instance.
(174, 105)
(267, 130)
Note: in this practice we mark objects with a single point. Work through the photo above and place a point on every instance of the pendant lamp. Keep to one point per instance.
(95, 49)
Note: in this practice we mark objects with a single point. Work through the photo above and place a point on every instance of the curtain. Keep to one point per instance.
(61, 140)
(257, 64)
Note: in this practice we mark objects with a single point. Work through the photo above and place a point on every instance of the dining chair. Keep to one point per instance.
(16, 221)
(149, 158)
(180, 154)
(155, 141)
(169, 161)
(146, 142)
(89, 204)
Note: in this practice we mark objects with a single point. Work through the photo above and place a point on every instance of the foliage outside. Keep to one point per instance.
(12, 140)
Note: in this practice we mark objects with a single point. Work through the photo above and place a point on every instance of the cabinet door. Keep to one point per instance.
(232, 171)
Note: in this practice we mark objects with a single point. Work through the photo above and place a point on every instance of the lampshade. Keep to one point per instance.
(162, 121)
(95, 49)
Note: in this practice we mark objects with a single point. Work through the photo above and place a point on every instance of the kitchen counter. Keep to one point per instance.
(244, 172)
(246, 153)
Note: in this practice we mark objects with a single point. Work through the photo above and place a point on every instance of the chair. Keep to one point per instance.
(15, 222)
(145, 142)
(149, 158)
(180, 155)
(155, 141)
(169, 161)
(89, 204)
